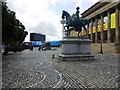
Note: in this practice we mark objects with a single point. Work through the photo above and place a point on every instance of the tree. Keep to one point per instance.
(13, 31)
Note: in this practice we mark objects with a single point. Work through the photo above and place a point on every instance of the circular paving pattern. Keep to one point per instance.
(22, 79)
(34, 69)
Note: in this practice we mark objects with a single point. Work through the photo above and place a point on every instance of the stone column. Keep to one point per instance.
(96, 28)
(109, 27)
(119, 17)
(91, 30)
(88, 28)
(117, 31)
(0, 29)
(102, 35)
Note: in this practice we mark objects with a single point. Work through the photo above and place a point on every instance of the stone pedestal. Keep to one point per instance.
(76, 49)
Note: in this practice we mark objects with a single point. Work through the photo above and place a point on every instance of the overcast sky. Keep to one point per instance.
(43, 16)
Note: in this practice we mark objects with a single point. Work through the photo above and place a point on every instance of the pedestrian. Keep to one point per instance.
(39, 48)
(53, 56)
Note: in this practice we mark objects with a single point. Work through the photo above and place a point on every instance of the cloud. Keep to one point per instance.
(45, 28)
(27, 9)
(43, 16)
(36, 16)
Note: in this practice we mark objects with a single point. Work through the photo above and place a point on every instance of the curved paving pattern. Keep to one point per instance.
(35, 69)
(31, 70)
(20, 79)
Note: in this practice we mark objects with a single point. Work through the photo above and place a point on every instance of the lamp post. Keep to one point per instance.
(101, 51)
(62, 22)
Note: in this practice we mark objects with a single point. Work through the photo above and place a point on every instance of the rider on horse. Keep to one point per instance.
(77, 12)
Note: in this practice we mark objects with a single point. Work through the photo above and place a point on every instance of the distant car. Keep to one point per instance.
(26, 45)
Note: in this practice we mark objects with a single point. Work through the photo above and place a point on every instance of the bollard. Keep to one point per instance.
(53, 56)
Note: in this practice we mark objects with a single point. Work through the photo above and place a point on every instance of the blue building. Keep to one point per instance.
(55, 43)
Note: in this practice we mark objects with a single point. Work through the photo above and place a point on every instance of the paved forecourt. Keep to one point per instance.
(37, 69)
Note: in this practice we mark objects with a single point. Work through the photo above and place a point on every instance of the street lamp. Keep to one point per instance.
(62, 22)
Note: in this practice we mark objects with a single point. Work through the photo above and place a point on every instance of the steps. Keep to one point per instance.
(108, 48)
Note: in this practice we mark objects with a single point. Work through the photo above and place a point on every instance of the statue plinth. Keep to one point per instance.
(76, 49)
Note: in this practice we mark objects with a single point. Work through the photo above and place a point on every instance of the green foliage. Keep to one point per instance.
(12, 28)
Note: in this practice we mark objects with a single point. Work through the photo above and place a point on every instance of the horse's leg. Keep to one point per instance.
(65, 31)
(78, 34)
(68, 31)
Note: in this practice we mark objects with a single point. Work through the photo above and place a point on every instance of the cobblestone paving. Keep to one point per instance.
(101, 73)
(37, 69)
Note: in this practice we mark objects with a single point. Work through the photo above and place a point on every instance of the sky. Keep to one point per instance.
(43, 16)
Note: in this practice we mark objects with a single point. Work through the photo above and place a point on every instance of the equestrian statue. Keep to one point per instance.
(74, 21)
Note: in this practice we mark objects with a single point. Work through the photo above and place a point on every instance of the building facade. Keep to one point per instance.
(37, 37)
(103, 22)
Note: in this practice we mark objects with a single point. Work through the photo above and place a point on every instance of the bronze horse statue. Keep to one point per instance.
(74, 21)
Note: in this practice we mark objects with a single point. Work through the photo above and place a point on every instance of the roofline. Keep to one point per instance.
(90, 7)
(94, 7)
